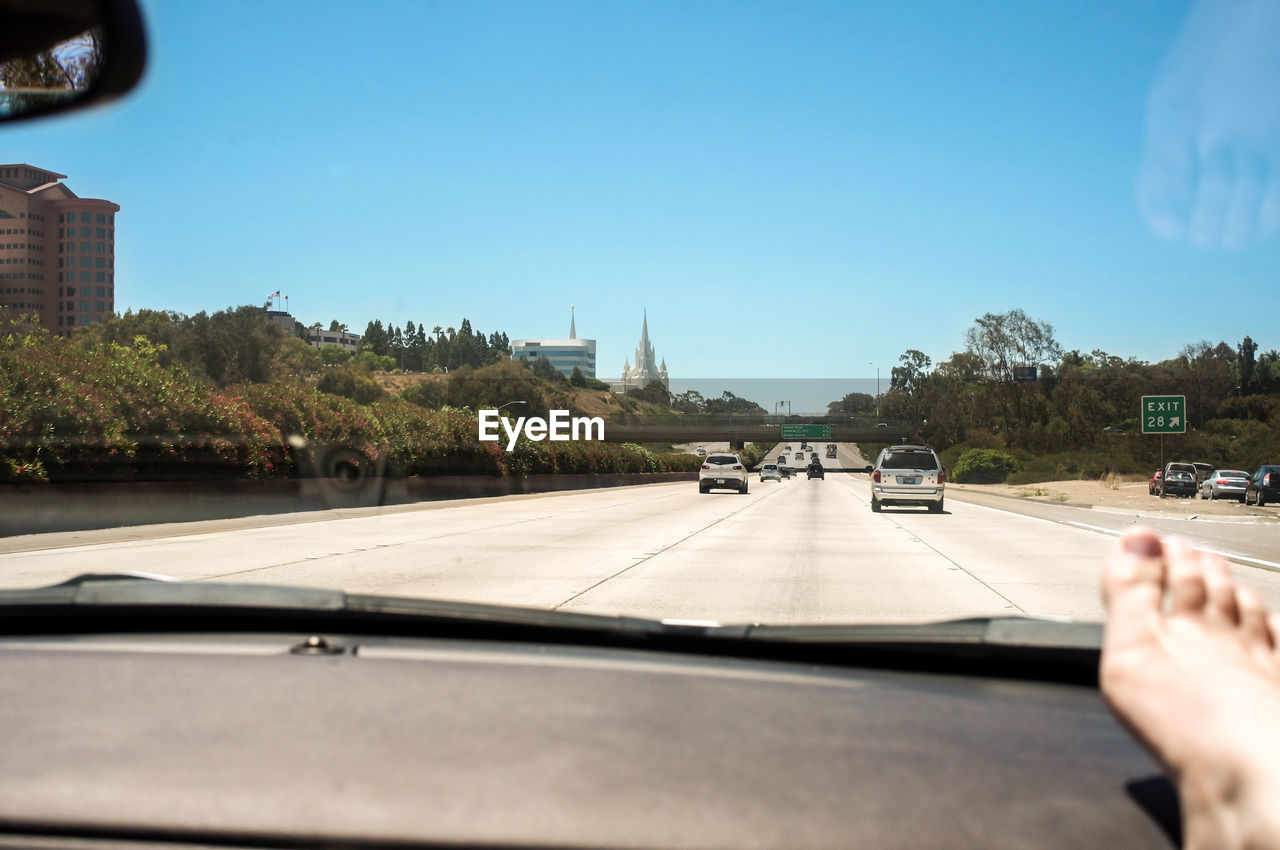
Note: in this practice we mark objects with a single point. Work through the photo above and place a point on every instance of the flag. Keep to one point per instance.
(275, 294)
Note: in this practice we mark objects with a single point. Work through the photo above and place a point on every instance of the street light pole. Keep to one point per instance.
(877, 390)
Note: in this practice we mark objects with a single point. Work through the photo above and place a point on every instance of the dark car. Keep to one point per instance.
(1178, 483)
(1177, 488)
(816, 471)
(1264, 486)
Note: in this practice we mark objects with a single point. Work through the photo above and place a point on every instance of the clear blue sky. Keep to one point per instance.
(790, 188)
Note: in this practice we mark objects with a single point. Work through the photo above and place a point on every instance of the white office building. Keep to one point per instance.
(563, 354)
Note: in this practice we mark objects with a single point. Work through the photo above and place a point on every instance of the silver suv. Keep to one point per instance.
(722, 471)
(908, 475)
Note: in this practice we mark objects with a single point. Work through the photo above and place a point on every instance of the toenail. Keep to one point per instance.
(1144, 545)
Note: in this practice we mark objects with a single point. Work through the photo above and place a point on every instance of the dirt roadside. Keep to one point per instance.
(1120, 496)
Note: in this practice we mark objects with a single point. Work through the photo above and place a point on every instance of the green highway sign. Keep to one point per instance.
(804, 432)
(1164, 414)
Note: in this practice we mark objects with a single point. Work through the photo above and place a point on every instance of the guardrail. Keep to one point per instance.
(739, 433)
(43, 508)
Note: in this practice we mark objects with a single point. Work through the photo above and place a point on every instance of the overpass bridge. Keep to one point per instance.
(738, 435)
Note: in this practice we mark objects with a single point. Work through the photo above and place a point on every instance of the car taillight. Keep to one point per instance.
(942, 476)
(875, 476)
(737, 466)
(1266, 480)
(706, 466)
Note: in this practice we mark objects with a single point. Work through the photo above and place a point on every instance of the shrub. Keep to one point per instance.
(351, 383)
(984, 466)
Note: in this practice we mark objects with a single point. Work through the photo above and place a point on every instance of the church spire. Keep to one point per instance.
(644, 332)
(573, 331)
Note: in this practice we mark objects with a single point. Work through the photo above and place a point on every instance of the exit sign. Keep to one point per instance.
(1164, 414)
(802, 432)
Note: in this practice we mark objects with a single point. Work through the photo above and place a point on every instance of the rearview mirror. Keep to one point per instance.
(58, 55)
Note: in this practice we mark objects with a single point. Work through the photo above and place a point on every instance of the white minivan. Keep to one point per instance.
(908, 475)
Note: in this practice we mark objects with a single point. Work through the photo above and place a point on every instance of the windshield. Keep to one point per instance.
(460, 301)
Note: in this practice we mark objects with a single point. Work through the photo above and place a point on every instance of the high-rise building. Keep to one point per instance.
(564, 354)
(57, 250)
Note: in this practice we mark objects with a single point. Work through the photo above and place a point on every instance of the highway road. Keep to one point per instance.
(795, 551)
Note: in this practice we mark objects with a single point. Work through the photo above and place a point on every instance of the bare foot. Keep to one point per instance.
(1190, 666)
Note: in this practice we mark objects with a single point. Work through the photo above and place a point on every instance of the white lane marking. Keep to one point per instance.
(1271, 565)
(1231, 556)
(1112, 531)
(1011, 513)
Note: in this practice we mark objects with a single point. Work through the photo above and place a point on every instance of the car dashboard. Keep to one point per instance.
(350, 740)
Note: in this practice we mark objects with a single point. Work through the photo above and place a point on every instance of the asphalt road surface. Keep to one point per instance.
(795, 551)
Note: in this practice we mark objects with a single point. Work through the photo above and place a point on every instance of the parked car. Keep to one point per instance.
(1153, 485)
(701, 451)
(815, 470)
(907, 475)
(1203, 471)
(1225, 484)
(770, 472)
(1178, 482)
(722, 472)
(1178, 466)
(1263, 486)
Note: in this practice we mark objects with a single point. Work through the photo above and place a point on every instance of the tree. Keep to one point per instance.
(376, 339)
(689, 401)
(351, 382)
(1204, 371)
(577, 378)
(494, 385)
(853, 404)
(543, 369)
(1002, 342)
(331, 355)
(655, 392)
(73, 65)
(1247, 364)
(732, 404)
